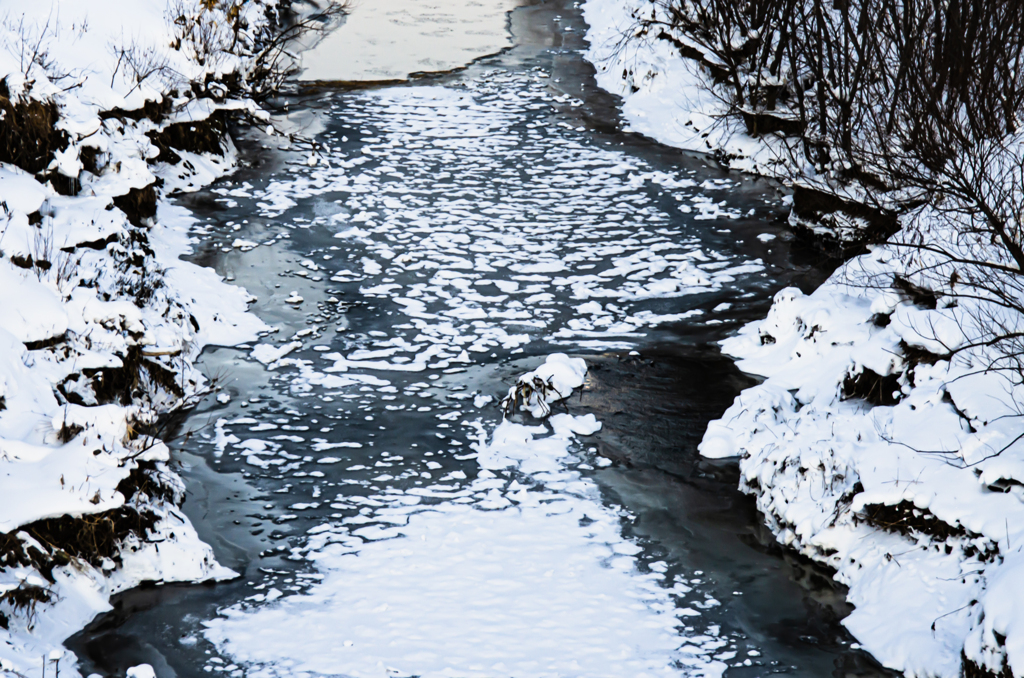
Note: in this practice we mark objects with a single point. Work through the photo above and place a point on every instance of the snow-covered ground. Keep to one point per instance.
(99, 319)
(664, 96)
(912, 495)
(870, 446)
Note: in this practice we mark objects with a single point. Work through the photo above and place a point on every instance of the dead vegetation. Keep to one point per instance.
(139, 204)
(527, 392)
(870, 386)
(971, 669)
(849, 226)
(23, 599)
(905, 518)
(130, 382)
(202, 136)
(93, 538)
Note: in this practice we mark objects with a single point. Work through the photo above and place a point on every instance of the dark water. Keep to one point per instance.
(526, 178)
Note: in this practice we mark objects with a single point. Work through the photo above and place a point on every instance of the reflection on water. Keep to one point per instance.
(485, 221)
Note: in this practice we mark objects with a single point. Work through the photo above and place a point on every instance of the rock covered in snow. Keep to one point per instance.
(553, 381)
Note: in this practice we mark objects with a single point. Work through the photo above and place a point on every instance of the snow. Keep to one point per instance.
(81, 292)
(390, 39)
(818, 462)
(32, 311)
(267, 353)
(141, 671)
(664, 96)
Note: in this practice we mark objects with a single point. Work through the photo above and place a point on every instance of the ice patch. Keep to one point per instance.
(528, 577)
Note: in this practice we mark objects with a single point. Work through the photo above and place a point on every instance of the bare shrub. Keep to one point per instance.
(138, 63)
(914, 105)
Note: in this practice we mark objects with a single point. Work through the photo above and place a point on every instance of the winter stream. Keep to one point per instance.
(438, 239)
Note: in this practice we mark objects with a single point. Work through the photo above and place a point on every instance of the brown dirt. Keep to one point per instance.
(28, 138)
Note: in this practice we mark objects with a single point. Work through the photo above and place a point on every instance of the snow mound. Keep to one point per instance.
(553, 381)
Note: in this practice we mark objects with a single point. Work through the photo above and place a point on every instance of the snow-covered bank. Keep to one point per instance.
(873, 449)
(678, 101)
(664, 96)
(102, 114)
(885, 441)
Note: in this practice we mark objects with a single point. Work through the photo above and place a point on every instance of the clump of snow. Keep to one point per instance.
(267, 353)
(554, 380)
(141, 671)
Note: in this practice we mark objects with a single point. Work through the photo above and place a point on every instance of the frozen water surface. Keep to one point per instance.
(426, 245)
(389, 39)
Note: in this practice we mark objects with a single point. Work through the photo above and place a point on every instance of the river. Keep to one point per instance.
(434, 240)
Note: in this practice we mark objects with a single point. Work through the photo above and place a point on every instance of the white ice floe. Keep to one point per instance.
(267, 353)
(521, 571)
(484, 266)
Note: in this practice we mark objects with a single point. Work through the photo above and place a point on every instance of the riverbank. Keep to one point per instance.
(885, 439)
(108, 109)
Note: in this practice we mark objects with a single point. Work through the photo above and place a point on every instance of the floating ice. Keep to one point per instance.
(496, 577)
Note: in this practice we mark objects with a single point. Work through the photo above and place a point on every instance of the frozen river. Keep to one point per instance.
(419, 248)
